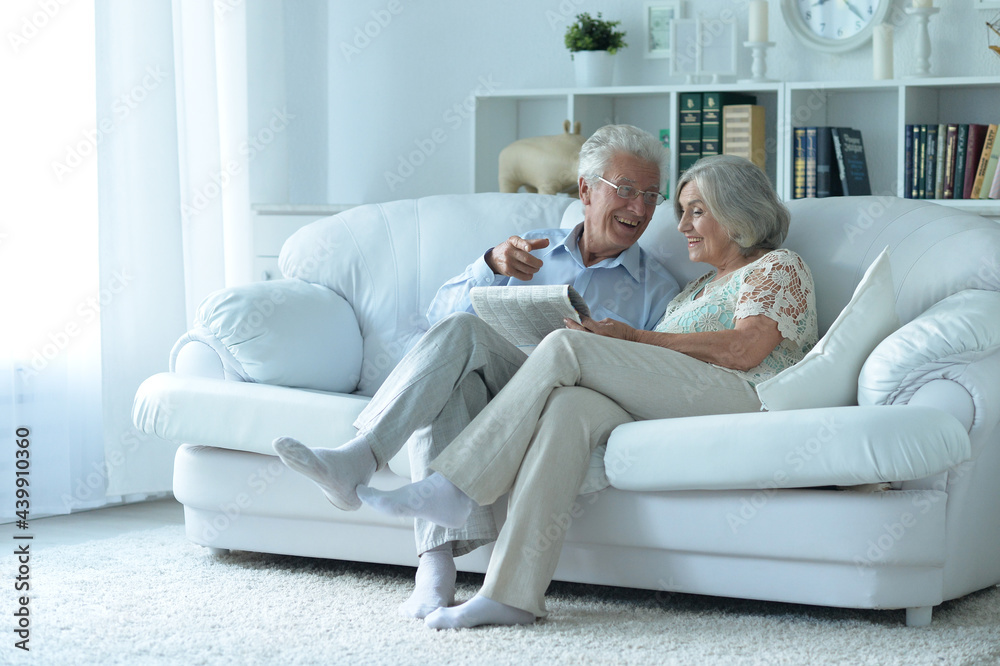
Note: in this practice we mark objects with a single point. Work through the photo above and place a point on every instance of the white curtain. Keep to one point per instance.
(50, 291)
(117, 175)
(174, 206)
(141, 236)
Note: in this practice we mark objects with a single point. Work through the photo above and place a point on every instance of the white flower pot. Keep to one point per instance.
(594, 68)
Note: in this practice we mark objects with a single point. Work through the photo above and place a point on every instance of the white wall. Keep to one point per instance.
(400, 74)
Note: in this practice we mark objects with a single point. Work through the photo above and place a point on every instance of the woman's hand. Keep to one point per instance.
(611, 328)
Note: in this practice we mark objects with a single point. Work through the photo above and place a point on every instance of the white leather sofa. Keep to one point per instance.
(735, 506)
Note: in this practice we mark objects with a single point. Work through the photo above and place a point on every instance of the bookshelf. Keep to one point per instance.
(964, 100)
(880, 109)
(870, 107)
(504, 117)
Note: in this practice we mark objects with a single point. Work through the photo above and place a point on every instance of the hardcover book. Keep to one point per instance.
(799, 163)
(942, 131)
(984, 162)
(712, 107)
(915, 162)
(743, 132)
(950, 146)
(930, 164)
(960, 148)
(810, 162)
(908, 178)
(827, 172)
(991, 164)
(977, 135)
(922, 163)
(850, 150)
(689, 142)
(995, 187)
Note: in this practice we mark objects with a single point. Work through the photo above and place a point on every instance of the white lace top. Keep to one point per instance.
(778, 286)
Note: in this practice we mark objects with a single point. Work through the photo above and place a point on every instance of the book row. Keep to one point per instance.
(829, 162)
(711, 123)
(951, 161)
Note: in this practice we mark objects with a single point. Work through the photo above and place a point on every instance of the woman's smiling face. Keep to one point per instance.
(708, 241)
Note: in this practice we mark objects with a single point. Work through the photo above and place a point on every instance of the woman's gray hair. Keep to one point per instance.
(740, 197)
(610, 140)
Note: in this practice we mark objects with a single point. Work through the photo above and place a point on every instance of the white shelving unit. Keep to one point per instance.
(273, 223)
(504, 117)
(872, 107)
(880, 109)
(958, 100)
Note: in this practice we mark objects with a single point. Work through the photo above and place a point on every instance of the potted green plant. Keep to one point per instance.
(592, 43)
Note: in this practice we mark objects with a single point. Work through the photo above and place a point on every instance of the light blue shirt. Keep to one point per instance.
(633, 287)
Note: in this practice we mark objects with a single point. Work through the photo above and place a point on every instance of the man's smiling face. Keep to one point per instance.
(613, 224)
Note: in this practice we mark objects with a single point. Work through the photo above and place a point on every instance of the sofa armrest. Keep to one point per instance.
(941, 343)
(283, 332)
(835, 446)
(241, 416)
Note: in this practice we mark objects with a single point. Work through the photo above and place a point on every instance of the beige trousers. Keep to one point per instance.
(429, 398)
(535, 437)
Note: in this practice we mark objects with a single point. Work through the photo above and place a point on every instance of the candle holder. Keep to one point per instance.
(923, 15)
(759, 68)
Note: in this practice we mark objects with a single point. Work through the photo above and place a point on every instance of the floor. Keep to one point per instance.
(105, 523)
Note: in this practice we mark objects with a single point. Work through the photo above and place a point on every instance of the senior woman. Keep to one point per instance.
(745, 321)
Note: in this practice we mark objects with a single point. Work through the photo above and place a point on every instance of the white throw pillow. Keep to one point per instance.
(283, 332)
(828, 375)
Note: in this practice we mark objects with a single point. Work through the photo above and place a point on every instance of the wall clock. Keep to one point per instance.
(834, 26)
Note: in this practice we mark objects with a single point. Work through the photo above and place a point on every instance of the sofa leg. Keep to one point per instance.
(225, 551)
(920, 616)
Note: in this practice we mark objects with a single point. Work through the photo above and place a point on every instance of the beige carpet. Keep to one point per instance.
(154, 598)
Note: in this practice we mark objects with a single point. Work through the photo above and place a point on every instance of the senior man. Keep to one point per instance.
(619, 179)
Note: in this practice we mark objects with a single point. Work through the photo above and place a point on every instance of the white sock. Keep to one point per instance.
(435, 499)
(477, 611)
(435, 584)
(338, 472)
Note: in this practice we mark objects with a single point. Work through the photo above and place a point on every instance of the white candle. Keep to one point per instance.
(758, 21)
(923, 4)
(882, 52)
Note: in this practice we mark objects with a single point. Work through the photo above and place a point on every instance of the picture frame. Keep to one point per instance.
(658, 16)
(703, 47)
(718, 48)
(685, 48)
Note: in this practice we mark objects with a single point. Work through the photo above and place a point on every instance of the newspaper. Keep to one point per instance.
(526, 314)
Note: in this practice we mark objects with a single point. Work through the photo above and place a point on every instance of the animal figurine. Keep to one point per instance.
(543, 164)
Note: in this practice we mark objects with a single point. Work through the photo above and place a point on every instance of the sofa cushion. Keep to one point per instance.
(936, 250)
(938, 344)
(828, 375)
(835, 446)
(285, 332)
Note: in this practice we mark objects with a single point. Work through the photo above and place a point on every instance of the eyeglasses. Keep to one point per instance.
(628, 192)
